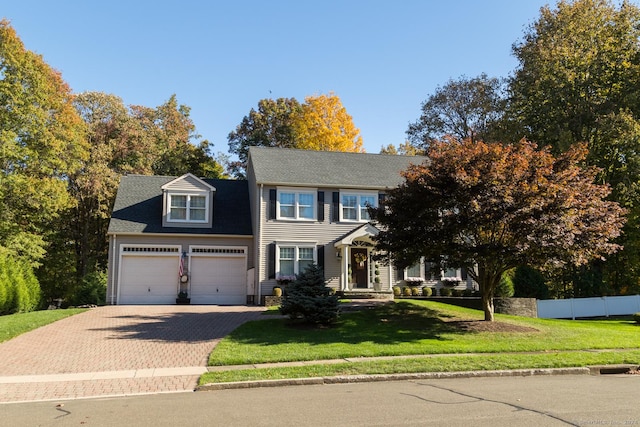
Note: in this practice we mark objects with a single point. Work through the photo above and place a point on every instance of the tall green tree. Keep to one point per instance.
(466, 108)
(578, 63)
(577, 80)
(41, 144)
(177, 147)
(493, 207)
(271, 125)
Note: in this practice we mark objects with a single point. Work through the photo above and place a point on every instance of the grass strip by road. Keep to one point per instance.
(418, 328)
(12, 325)
(440, 363)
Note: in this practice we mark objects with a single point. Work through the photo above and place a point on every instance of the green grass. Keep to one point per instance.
(13, 325)
(434, 333)
(431, 364)
(415, 328)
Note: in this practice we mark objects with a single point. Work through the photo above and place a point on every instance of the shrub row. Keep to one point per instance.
(19, 288)
(426, 291)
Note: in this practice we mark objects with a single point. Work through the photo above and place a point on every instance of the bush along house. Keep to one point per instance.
(232, 242)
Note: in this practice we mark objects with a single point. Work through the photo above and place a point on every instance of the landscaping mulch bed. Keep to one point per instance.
(483, 326)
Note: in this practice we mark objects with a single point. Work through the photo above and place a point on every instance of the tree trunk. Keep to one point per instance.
(488, 280)
(487, 306)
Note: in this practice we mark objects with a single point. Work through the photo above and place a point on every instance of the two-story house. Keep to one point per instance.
(229, 242)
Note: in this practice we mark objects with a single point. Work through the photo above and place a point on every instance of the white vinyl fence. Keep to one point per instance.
(588, 307)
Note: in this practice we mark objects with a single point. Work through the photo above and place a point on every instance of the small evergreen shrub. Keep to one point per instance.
(92, 290)
(467, 293)
(636, 317)
(397, 291)
(505, 288)
(426, 291)
(406, 291)
(445, 292)
(309, 300)
(415, 291)
(456, 292)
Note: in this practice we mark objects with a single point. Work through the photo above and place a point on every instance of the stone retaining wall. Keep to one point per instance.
(526, 307)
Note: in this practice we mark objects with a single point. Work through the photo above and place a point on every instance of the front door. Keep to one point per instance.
(359, 268)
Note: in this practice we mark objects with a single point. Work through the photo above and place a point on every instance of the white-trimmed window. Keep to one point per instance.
(353, 206)
(298, 205)
(294, 259)
(413, 271)
(188, 208)
(452, 273)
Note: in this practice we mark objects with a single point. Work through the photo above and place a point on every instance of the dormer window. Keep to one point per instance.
(187, 207)
(188, 202)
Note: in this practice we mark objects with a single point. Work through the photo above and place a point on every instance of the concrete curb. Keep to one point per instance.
(391, 377)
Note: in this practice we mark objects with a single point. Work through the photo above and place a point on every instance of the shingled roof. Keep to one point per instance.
(282, 166)
(138, 207)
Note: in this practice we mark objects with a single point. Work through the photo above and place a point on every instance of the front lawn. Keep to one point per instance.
(432, 332)
(417, 328)
(13, 325)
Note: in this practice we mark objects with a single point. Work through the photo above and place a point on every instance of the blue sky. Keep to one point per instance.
(382, 58)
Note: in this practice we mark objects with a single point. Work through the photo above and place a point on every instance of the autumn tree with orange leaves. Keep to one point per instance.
(492, 207)
(325, 125)
(320, 123)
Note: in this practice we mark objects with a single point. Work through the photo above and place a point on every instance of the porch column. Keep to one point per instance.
(345, 268)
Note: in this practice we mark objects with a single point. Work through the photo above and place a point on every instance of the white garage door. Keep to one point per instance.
(149, 276)
(218, 276)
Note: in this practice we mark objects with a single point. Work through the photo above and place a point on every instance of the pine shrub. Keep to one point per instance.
(19, 288)
(309, 300)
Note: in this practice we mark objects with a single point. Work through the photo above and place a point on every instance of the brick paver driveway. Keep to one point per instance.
(116, 350)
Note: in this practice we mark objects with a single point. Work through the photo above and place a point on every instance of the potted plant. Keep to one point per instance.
(183, 298)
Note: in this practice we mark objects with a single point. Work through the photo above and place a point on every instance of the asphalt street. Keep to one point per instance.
(566, 400)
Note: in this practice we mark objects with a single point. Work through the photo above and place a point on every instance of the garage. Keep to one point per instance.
(218, 275)
(149, 274)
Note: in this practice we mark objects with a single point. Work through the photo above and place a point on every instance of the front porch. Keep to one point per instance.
(359, 273)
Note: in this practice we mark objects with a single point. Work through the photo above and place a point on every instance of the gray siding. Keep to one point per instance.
(324, 233)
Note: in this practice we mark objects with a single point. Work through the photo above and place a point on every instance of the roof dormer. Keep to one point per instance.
(187, 201)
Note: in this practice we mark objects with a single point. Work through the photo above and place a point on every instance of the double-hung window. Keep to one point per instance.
(294, 259)
(452, 273)
(413, 271)
(354, 206)
(187, 208)
(298, 205)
